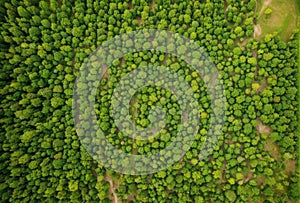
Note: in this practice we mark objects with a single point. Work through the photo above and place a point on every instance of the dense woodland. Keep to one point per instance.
(43, 46)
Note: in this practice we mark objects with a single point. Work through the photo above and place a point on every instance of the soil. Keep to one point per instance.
(113, 186)
(152, 5)
(139, 21)
(263, 129)
(257, 31)
(290, 166)
(263, 85)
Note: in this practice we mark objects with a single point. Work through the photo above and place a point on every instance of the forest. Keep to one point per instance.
(45, 46)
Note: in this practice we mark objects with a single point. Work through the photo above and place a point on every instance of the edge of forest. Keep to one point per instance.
(298, 77)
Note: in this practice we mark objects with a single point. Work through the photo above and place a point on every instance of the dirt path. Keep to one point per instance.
(131, 5)
(122, 63)
(112, 188)
(265, 5)
(243, 43)
(152, 5)
(225, 7)
(257, 31)
(164, 62)
(255, 10)
(263, 85)
(139, 19)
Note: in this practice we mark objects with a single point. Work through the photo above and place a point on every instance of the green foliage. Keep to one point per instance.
(44, 44)
(231, 196)
(268, 11)
(23, 12)
(56, 102)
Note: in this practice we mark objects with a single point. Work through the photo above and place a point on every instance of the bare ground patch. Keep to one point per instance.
(122, 63)
(153, 5)
(290, 166)
(131, 5)
(269, 146)
(273, 149)
(243, 43)
(114, 184)
(260, 180)
(257, 31)
(263, 85)
(139, 19)
(263, 129)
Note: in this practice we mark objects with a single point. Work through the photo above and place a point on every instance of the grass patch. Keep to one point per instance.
(259, 4)
(282, 20)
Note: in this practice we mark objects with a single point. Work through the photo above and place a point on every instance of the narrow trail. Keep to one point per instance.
(152, 5)
(257, 31)
(139, 21)
(112, 189)
(243, 43)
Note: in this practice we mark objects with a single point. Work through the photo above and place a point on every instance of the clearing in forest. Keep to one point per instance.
(276, 16)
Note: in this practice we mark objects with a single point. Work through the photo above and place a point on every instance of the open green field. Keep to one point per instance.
(282, 20)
